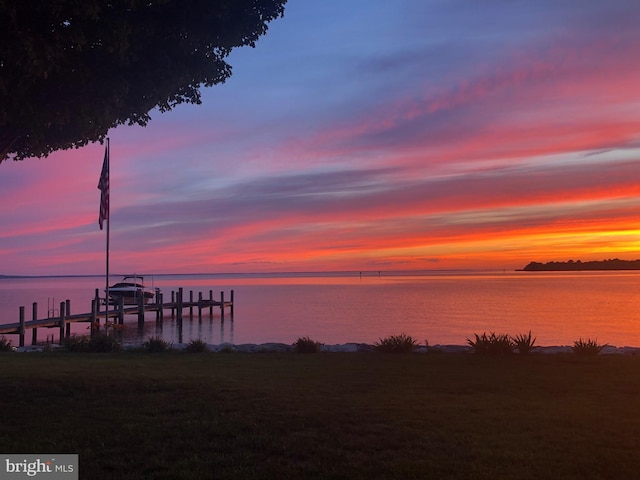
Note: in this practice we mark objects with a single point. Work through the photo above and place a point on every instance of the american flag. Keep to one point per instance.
(103, 185)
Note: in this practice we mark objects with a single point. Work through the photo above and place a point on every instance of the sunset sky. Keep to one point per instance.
(378, 135)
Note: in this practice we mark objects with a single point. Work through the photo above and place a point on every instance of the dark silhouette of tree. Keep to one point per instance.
(72, 69)
(609, 264)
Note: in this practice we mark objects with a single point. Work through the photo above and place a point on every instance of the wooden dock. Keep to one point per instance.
(117, 311)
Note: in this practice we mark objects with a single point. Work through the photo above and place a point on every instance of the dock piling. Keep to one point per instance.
(22, 327)
(179, 306)
(94, 321)
(140, 309)
(232, 304)
(222, 307)
(160, 313)
(61, 324)
(34, 316)
(120, 310)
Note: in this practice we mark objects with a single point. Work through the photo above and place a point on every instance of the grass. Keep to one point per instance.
(338, 415)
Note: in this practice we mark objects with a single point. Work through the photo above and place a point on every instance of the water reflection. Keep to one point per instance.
(211, 329)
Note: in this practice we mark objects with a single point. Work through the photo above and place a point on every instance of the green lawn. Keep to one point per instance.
(330, 415)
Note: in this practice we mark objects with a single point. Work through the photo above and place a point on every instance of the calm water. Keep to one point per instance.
(441, 307)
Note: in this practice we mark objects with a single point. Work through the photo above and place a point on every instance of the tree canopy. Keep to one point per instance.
(72, 69)
(578, 265)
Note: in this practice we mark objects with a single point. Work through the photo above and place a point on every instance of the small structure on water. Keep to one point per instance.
(130, 289)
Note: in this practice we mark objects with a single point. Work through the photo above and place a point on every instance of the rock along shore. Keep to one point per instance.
(358, 348)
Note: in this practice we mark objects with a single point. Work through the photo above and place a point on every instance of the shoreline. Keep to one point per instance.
(350, 347)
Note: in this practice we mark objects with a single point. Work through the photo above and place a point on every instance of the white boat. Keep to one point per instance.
(130, 288)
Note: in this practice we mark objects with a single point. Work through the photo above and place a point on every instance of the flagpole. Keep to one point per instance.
(108, 217)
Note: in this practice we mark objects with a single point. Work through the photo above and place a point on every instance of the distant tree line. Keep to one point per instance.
(610, 264)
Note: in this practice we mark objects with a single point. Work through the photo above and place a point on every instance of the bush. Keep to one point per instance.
(306, 345)
(103, 343)
(5, 345)
(587, 348)
(76, 343)
(156, 345)
(402, 343)
(524, 343)
(196, 346)
(491, 344)
(98, 343)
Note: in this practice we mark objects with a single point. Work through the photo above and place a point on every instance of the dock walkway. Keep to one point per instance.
(64, 320)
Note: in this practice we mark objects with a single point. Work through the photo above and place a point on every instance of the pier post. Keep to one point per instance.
(222, 306)
(200, 306)
(140, 309)
(96, 311)
(121, 310)
(232, 303)
(22, 328)
(158, 304)
(34, 316)
(160, 313)
(190, 303)
(173, 303)
(94, 317)
(67, 311)
(179, 306)
(61, 324)
(210, 303)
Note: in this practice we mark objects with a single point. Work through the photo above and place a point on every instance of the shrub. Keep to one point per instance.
(76, 343)
(587, 347)
(103, 343)
(196, 346)
(5, 345)
(306, 345)
(524, 343)
(156, 345)
(491, 344)
(98, 343)
(402, 343)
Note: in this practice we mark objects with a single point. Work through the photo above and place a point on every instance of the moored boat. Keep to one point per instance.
(130, 288)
